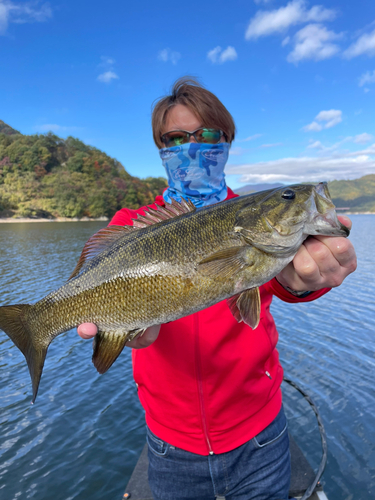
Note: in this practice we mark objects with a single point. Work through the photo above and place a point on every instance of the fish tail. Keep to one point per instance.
(13, 320)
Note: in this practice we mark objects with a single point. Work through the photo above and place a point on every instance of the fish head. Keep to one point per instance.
(279, 220)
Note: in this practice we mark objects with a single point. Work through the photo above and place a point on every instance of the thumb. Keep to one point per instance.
(87, 330)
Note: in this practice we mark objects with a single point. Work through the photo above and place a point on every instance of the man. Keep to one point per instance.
(210, 386)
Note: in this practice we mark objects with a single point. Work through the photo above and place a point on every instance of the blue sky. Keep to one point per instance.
(297, 76)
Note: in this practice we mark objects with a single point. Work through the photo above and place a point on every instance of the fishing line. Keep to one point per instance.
(323, 438)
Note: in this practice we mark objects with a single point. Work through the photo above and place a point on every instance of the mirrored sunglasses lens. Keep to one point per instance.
(209, 135)
(175, 138)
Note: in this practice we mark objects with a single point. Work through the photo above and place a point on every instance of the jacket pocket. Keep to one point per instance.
(159, 447)
(273, 432)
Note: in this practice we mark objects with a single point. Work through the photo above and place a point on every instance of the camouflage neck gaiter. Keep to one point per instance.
(196, 172)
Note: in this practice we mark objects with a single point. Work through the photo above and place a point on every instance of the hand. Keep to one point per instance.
(89, 330)
(321, 262)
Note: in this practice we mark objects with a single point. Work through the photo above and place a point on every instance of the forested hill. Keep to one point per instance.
(357, 195)
(6, 129)
(46, 176)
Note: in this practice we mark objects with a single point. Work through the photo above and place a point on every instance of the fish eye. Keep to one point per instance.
(288, 194)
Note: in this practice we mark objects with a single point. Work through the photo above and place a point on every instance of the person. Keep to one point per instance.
(210, 386)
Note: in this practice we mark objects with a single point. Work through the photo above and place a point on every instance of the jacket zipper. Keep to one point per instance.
(200, 384)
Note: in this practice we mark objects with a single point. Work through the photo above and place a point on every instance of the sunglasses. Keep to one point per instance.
(201, 135)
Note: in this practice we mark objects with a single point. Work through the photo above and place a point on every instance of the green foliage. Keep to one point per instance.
(75, 162)
(46, 176)
(6, 129)
(357, 195)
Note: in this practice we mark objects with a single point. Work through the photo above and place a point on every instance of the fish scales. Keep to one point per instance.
(131, 278)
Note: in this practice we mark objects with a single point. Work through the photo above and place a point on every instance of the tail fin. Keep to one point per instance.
(13, 320)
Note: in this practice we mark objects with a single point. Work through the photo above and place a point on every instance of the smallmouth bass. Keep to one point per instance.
(174, 261)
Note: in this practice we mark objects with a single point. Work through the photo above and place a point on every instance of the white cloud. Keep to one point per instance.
(217, 56)
(109, 73)
(308, 169)
(364, 45)
(358, 139)
(4, 17)
(313, 127)
(236, 151)
(285, 41)
(107, 62)
(367, 77)
(266, 23)
(262, 1)
(229, 54)
(250, 138)
(314, 41)
(167, 55)
(331, 118)
(315, 145)
(11, 12)
(363, 138)
(213, 55)
(107, 77)
(163, 55)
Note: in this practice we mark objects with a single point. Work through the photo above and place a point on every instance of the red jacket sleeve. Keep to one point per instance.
(125, 216)
(275, 288)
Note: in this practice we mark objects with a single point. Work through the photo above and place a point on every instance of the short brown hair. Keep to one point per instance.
(203, 103)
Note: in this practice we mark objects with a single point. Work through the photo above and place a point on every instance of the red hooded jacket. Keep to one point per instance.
(209, 384)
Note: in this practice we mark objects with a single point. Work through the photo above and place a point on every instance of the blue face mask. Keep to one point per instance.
(196, 172)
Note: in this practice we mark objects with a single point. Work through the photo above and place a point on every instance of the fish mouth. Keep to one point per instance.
(324, 219)
(328, 224)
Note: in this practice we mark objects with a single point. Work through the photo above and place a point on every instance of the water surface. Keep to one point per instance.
(82, 437)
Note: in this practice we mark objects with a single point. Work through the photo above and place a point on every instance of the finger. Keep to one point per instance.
(301, 273)
(322, 254)
(341, 249)
(87, 330)
(345, 220)
(306, 269)
(145, 340)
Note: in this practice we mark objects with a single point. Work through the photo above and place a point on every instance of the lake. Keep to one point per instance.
(83, 436)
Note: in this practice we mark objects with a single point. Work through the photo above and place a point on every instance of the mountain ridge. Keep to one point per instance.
(44, 176)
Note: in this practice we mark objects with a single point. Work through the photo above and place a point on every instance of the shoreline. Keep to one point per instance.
(356, 213)
(7, 220)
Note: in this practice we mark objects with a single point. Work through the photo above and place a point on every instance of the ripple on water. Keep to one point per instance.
(82, 437)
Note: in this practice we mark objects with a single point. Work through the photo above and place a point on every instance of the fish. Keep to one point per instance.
(173, 261)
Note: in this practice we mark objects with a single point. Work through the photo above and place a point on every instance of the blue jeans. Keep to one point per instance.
(257, 470)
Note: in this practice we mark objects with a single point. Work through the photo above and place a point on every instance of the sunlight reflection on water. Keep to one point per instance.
(82, 438)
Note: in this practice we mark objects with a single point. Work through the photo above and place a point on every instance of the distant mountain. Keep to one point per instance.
(357, 195)
(46, 176)
(252, 188)
(6, 129)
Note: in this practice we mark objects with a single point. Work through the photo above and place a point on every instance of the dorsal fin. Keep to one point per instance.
(108, 235)
(99, 242)
(160, 214)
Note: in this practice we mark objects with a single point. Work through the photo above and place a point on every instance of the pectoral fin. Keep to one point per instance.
(246, 307)
(225, 263)
(108, 346)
